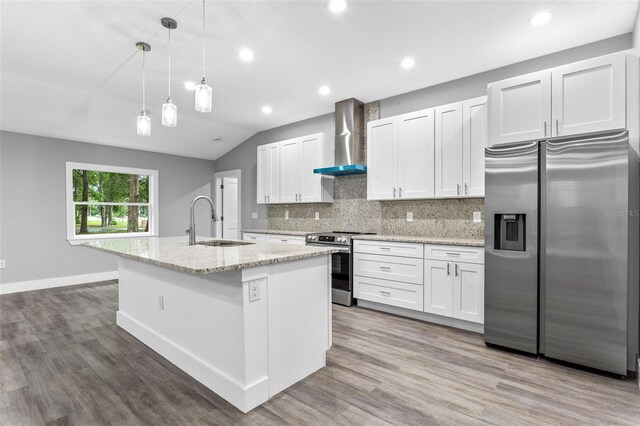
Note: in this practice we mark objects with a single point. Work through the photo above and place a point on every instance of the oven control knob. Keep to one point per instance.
(312, 237)
(342, 240)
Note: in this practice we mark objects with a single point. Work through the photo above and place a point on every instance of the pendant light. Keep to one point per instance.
(169, 110)
(204, 94)
(144, 123)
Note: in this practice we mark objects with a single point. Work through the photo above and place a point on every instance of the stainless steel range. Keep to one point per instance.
(341, 262)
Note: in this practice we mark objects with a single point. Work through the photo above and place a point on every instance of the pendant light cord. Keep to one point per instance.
(169, 84)
(144, 109)
(203, 73)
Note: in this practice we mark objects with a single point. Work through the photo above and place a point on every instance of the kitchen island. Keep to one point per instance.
(247, 320)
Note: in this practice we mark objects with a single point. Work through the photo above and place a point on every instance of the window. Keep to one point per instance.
(110, 202)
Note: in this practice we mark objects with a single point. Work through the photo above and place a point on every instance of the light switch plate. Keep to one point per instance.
(254, 215)
(317, 215)
(477, 217)
(2, 264)
(409, 216)
(286, 215)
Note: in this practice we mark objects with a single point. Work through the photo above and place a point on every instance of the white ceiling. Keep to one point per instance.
(70, 69)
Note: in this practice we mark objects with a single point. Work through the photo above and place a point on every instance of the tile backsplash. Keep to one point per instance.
(351, 211)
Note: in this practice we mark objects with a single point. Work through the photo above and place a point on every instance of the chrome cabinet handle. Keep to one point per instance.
(457, 189)
(400, 192)
(297, 198)
(557, 127)
(394, 192)
(386, 268)
(283, 241)
(452, 254)
(456, 269)
(545, 128)
(387, 293)
(466, 189)
(385, 248)
(448, 269)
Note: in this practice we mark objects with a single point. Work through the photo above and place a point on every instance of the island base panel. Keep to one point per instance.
(245, 351)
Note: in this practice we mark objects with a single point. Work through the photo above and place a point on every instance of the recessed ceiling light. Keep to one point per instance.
(541, 19)
(267, 109)
(407, 63)
(324, 90)
(337, 6)
(190, 85)
(246, 55)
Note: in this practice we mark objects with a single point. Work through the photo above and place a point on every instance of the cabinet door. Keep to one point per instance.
(273, 194)
(416, 151)
(381, 159)
(310, 158)
(289, 170)
(589, 96)
(468, 292)
(448, 177)
(438, 287)
(520, 108)
(263, 174)
(474, 141)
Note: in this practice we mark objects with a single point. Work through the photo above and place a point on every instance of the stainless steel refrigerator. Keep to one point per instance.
(561, 252)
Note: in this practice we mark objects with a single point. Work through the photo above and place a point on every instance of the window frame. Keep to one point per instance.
(74, 239)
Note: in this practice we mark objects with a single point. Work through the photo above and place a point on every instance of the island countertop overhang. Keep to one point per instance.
(175, 253)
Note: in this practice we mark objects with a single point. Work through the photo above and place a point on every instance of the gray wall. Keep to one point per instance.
(32, 210)
(244, 156)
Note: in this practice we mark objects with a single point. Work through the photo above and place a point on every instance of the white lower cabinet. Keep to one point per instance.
(450, 283)
(286, 239)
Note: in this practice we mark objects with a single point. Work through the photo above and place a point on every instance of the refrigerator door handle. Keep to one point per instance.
(448, 269)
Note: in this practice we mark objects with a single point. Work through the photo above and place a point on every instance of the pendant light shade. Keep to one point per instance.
(204, 93)
(143, 123)
(169, 109)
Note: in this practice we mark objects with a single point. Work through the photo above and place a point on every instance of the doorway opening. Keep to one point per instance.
(227, 200)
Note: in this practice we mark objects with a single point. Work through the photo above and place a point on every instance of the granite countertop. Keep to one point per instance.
(278, 232)
(175, 253)
(422, 240)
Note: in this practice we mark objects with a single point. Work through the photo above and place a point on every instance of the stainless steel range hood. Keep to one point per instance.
(349, 149)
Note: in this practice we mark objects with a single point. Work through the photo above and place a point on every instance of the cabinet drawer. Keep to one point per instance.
(409, 296)
(405, 269)
(253, 237)
(388, 248)
(286, 239)
(454, 253)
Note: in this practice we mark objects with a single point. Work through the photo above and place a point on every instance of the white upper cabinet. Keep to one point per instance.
(285, 171)
(589, 96)
(268, 185)
(289, 170)
(520, 108)
(381, 159)
(448, 167)
(415, 155)
(583, 97)
(474, 141)
(314, 154)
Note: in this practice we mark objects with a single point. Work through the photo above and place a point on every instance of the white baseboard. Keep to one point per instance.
(20, 286)
(244, 397)
(423, 316)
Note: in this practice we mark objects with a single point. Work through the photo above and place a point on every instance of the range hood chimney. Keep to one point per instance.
(349, 149)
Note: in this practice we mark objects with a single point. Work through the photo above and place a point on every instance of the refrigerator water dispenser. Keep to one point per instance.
(510, 231)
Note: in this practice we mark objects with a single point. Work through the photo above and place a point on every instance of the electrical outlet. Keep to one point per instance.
(161, 302)
(286, 215)
(254, 215)
(254, 291)
(317, 215)
(409, 216)
(477, 217)
(2, 264)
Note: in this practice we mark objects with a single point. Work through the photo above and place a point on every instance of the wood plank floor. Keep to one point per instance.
(64, 361)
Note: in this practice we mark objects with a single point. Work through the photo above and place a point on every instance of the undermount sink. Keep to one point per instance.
(222, 243)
